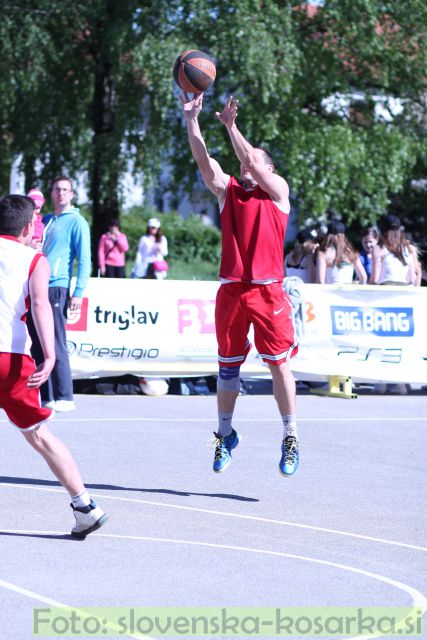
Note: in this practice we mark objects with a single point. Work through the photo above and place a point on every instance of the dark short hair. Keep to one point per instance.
(367, 231)
(267, 155)
(15, 212)
(58, 178)
(114, 222)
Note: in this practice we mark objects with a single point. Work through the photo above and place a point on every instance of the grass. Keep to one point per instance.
(180, 270)
(197, 270)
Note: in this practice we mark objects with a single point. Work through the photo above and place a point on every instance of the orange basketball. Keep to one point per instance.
(194, 71)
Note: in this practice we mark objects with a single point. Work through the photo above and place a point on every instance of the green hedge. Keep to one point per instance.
(189, 239)
(194, 247)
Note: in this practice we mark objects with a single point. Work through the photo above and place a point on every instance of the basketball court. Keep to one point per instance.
(347, 531)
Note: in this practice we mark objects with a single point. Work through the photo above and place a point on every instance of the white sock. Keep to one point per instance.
(82, 500)
(290, 426)
(224, 423)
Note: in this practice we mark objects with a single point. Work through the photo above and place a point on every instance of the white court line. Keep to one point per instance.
(355, 419)
(54, 603)
(418, 599)
(227, 514)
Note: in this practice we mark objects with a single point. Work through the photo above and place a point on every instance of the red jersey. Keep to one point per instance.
(253, 235)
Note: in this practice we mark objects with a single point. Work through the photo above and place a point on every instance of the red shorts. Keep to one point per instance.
(20, 402)
(268, 308)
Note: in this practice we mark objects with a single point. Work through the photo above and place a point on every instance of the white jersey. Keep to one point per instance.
(393, 270)
(342, 274)
(17, 262)
(300, 271)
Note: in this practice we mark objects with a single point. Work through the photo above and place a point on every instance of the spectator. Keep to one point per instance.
(337, 260)
(111, 251)
(299, 262)
(38, 198)
(418, 267)
(66, 238)
(423, 274)
(152, 250)
(369, 241)
(394, 259)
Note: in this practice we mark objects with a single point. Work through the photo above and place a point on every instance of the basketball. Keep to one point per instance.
(194, 71)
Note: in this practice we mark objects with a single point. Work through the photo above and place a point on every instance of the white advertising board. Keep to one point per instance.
(167, 328)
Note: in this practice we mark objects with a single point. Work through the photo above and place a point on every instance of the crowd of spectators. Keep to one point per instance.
(385, 255)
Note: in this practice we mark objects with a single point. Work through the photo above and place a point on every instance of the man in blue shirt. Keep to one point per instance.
(66, 239)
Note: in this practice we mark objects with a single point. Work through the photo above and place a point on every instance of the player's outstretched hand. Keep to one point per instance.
(229, 114)
(192, 106)
(41, 374)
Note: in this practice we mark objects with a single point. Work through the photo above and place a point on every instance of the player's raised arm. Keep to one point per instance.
(253, 159)
(213, 176)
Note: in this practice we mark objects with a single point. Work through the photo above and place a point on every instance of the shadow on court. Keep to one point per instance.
(49, 536)
(113, 487)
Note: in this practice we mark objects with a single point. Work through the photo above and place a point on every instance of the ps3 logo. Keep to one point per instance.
(375, 354)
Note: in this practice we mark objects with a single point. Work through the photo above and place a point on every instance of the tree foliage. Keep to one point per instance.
(284, 60)
(87, 86)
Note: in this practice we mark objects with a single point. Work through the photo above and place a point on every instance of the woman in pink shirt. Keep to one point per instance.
(38, 198)
(111, 251)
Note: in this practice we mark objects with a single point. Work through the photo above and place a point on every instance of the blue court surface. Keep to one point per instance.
(349, 530)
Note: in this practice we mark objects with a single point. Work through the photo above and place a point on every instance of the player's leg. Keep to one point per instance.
(226, 438)
(227, 390)
(89, 516)
(231, 328)
(22, 406)
(276, 342)
(284, 391)
(57, 456)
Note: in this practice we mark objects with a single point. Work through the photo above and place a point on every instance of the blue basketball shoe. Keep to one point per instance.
(290, 456)
(223, 447)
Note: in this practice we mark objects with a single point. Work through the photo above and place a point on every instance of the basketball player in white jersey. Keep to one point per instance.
(24, 277)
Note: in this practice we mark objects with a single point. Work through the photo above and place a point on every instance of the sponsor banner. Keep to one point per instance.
(167, 328)
(147, 327)
(370, 333)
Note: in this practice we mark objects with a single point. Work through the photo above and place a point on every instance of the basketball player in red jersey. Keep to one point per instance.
(254, 214)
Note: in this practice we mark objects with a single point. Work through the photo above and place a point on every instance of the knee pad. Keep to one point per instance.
(229, 379)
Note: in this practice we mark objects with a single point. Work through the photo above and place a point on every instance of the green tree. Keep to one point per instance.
(85, 89)
(283, 60)
(88, 87)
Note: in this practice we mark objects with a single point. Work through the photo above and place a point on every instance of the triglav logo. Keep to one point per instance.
(127, 317)
(77, 320)
(378, 321)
